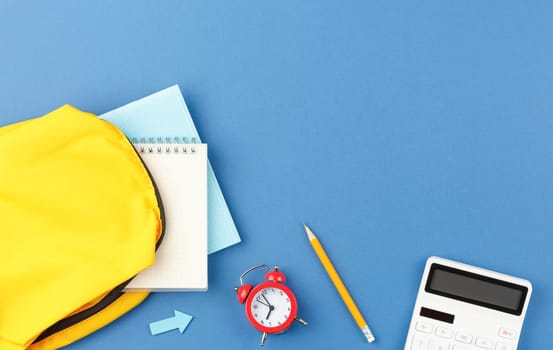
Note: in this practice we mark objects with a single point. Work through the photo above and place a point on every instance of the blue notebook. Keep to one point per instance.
(164, 114)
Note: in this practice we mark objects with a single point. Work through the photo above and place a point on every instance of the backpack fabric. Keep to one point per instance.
(80, 217)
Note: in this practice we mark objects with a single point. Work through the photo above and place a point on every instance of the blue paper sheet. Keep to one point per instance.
(164, 114)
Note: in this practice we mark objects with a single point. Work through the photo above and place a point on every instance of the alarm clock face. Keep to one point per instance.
(271, 307)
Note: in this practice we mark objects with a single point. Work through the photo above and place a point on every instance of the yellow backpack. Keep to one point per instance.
(80, 216)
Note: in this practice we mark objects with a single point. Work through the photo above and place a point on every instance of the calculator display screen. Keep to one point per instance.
(476, 289)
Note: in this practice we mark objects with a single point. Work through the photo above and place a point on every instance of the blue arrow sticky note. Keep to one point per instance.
(180, 321)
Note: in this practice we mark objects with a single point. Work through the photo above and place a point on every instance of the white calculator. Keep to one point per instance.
(463, 307)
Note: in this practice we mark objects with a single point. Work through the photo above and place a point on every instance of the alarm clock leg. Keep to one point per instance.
(263, 338)
(298, 319)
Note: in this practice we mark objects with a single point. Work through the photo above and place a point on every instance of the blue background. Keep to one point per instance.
(396, 129)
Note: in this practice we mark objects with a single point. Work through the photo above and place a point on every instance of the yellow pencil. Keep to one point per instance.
(340, 287)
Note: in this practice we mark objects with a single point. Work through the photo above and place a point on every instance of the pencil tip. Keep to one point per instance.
(310, 234)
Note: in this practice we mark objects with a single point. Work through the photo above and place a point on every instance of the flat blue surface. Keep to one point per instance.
(396, 129)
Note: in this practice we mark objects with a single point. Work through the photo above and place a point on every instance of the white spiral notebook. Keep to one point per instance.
(179, 170)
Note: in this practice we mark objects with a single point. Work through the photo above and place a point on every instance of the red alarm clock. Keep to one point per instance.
(271, 307)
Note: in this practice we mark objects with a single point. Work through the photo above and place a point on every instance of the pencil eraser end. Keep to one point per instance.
(368, 334)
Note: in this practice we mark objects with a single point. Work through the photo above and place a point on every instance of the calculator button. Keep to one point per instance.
(444, 332)
(420, 342)
(439, 345)
(507, 333)
(460, 347)
(464, 338)
(424, 327)
(501, 346)
(484, 343)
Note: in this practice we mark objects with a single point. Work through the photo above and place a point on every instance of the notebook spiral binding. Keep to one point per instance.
(183, 145)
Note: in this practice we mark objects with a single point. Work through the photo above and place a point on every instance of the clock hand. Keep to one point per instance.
(271, 308)
(266, 300)
(261, 302)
